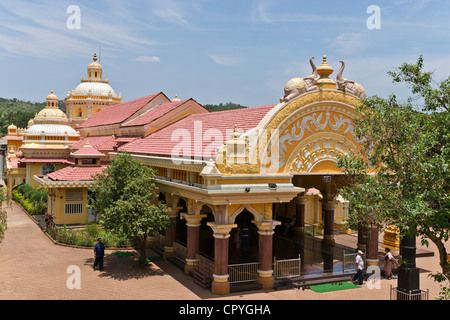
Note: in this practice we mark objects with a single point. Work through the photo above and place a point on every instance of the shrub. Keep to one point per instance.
(34, 201)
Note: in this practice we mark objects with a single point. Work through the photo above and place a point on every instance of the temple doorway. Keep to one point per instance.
(306, 227)
(243, 247)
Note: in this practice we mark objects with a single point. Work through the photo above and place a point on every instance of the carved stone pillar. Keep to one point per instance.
(265, 238)
(221, 284)
(193, 222)
(300, 215)
(328, 223)
(372, 246)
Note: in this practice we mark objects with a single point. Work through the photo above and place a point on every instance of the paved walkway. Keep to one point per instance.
(33, 267)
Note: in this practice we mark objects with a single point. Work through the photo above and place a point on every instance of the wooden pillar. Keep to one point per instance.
(372, 246)
(328, 232)
(193, 222)
(362, 238)
(221, 284)
(265, 239)
(300, 215)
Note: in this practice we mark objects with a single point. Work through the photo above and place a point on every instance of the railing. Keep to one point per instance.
(287, 268)
(348, 262)
(397, 294)
(243, 272)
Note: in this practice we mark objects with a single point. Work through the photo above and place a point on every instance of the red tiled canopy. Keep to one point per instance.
(118, 113)
(75, 173)
(198, 128)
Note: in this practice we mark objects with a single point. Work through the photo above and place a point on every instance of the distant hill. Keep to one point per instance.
(222, 107)
(19, 112)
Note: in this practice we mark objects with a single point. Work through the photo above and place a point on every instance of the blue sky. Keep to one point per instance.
(242, 51)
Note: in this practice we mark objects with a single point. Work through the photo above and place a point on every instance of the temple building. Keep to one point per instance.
(268, 169)
(91, 95)
(43, 147)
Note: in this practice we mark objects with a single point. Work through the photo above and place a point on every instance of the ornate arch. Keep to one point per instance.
(316, 149)
(314, 128)
(199, 205)
(249, 208)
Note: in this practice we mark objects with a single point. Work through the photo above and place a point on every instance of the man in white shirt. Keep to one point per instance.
(359, 268)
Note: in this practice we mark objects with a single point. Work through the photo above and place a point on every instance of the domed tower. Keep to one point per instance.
(49, 134)
(91, 95)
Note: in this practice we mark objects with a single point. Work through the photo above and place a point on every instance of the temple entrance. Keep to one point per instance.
(243, 247)
(308, 227)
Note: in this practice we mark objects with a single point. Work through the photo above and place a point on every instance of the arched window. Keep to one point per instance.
(80, 113)
(47, 168)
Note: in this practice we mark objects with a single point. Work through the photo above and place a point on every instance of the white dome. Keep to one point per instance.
(51, 129)
(97, 89)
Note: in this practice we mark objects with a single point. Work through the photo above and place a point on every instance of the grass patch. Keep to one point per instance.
(327, 287)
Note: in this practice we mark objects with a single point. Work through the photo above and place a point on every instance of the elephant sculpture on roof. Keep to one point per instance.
(349, 86)
(298, 86)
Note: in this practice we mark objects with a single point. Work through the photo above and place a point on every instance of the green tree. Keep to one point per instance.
(402, 176)
(123, 197)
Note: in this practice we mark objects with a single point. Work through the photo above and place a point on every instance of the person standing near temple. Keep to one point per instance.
(237, 238)
(359, 268)
(245, 237)
(99, 253)
(389, 261)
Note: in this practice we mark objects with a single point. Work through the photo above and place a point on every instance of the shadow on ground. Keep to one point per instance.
(125, 268)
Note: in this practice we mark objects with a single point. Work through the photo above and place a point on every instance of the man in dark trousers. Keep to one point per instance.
(99, 253)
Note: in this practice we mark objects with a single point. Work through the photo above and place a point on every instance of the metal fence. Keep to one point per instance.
(287, 268)
(243, 272)
(348, 262)
(397, 294)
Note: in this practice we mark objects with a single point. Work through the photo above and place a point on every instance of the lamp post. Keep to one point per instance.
(408, 273)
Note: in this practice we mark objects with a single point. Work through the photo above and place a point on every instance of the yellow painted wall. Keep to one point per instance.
(35, 169)
(59, 208)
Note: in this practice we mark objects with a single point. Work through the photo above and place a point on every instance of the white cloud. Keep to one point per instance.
(348, 42)
(148, 59)
(224, 60)
(31, 29)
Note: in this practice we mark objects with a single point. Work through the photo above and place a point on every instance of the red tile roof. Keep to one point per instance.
(118, 113)
(155, 113)
(61, 160)
(88, 150)
(75, 173)
(98, 142)
(163, 141)
(12, 137)
(15, 163)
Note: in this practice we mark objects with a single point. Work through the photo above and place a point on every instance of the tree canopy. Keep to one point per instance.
(402, 177)
(123, 197)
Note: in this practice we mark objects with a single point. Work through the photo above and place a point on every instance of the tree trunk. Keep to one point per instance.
(142, 241)
(442, 254)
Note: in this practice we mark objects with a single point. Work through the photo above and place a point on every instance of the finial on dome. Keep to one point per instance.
(236, 133)
(95, 57)
(176, 98)
(324, 70)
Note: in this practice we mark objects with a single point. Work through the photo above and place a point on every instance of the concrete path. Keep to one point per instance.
(33, 267)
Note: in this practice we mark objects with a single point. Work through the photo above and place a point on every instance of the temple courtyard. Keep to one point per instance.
(32, 267)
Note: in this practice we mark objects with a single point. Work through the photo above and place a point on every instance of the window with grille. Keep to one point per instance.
(73, 208)
(74, 195)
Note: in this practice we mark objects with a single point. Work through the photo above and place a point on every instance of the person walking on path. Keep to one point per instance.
(99, 253)
(359, 268)
(389, 261)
